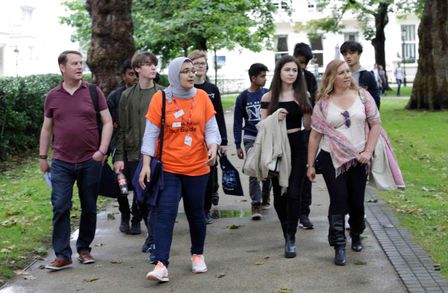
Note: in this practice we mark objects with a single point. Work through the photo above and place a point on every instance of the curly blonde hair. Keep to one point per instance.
(327, 83)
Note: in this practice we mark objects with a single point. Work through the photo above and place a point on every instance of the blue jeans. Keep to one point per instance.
(63, 177)
(192, 189)
(399, 81)
(256, 193)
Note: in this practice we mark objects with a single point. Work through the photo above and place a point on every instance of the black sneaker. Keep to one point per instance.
(215, 198)
(135, 229)
(305, 223)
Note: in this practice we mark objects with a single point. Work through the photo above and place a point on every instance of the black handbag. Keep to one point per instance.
(152, 190)
(108, 185)
(231, 183)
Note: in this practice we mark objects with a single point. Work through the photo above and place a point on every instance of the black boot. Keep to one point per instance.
(336, 238)
(124, 224)
(339, 256)
(135, 228)
(356, 242)
(290, 246)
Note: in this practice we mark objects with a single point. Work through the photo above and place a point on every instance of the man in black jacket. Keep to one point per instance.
(199, 59)
(352, 51)
(303, 55)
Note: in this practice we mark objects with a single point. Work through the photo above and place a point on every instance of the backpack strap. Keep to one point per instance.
(162, 125)
(94, 97)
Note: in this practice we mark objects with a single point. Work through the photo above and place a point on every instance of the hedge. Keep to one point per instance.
(21, 111)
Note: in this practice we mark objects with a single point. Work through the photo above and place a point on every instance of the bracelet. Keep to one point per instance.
(309, 166)
(101, 152)
(43, 157)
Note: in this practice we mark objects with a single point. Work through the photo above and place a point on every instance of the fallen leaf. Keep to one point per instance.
(116, 261)
(110, 217)
(372, 200)
(360, 263)
(99, 244)
(282, 290)
(91, 279)
(220, 275)
(29, 277)
(42, 267)
(233, 227)
(267, 257)
(5, 250)
(259, 263)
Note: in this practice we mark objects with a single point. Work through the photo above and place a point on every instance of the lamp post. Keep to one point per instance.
(403, 59)
(16, 50)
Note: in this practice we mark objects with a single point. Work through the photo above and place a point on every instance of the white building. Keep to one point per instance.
(31, 37)
(401, 35)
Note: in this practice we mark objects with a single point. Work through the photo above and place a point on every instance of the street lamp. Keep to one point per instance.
(403, 59)
(16, 50)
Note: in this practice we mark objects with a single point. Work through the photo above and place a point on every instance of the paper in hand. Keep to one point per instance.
(47, 177)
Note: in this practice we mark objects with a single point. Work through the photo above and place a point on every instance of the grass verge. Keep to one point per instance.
(26, 215)
(228, 101)
(419, 140)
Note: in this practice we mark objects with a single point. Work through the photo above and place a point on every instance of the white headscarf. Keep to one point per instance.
(175, 89)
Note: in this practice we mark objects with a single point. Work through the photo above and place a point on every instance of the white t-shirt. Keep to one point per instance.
(356, 132)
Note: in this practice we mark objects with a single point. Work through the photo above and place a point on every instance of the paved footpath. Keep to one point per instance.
(249, 257)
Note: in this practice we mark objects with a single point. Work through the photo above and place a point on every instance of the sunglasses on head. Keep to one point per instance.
(347, 121)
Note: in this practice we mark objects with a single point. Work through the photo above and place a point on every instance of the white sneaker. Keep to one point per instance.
(198, 264)
(160, 273)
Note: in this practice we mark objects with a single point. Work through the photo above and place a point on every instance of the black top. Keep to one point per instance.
(214, 95)
(294, 117)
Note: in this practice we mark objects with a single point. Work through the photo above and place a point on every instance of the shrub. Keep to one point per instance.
(21, 111)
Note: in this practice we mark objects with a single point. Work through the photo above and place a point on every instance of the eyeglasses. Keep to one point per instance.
(188, 71)
(199, 63)
(347, 121)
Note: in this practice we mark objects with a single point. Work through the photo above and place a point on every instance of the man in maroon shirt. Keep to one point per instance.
(78, 153)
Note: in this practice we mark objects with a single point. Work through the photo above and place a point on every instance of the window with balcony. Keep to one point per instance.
(408, 43)
(351, 36)
(318, 51)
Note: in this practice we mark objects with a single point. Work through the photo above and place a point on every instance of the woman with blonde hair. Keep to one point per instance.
(346, 125)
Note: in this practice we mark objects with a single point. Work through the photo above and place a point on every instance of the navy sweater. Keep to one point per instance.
(247, 108)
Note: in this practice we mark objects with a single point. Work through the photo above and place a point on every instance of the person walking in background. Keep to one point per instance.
(351, 51)
(191, 140)
(303, 55)
(199, 59)
(288, 91)
(382, 75)
(131, 116)
(398, 73)
(247, 110)
(129, 79)
(69, 115)
(339, 122)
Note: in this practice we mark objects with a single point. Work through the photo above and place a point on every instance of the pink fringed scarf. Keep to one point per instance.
(343, 153)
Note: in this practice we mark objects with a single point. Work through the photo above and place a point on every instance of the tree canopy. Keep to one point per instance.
(173, 27)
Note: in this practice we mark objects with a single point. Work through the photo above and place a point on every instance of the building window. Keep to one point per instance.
(281, 46)
(351, 36)
(27, 13)
(318, 51)
(221, 60)
(281, 4)
(408, 43)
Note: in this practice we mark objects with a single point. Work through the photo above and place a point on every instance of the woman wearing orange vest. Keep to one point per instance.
(191, 138)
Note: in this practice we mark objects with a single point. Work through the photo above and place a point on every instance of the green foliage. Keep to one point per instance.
(172, 28)
(419, 141)
(21, 111)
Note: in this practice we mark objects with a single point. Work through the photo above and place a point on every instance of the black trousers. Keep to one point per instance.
(287, 205)
(346, 191)
(212, 187)
(123, 203)
(306, 190)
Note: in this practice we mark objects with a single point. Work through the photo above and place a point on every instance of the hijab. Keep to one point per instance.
(175, 89)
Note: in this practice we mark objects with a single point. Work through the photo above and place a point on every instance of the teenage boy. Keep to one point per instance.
(303, 55)
(133, 105)
(113, 100)
(199, 59)
(352, 51)
(70, 125)
(247, 109)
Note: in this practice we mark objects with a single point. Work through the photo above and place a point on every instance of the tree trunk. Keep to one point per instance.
(381, 20)
(430, 90)
(112, 40)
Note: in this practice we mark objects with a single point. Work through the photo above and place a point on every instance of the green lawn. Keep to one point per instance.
(404, 91)
(420, 141)
(228, 101)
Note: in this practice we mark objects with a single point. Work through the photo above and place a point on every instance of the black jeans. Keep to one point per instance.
(287, 205)
(123, 203)
(306, 190)
(346, 191)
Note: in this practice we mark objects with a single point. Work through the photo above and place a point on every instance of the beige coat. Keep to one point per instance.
(271, 144)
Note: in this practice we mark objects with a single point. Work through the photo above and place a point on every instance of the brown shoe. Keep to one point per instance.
(59, 264)
(256, 212)
(85, 257)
